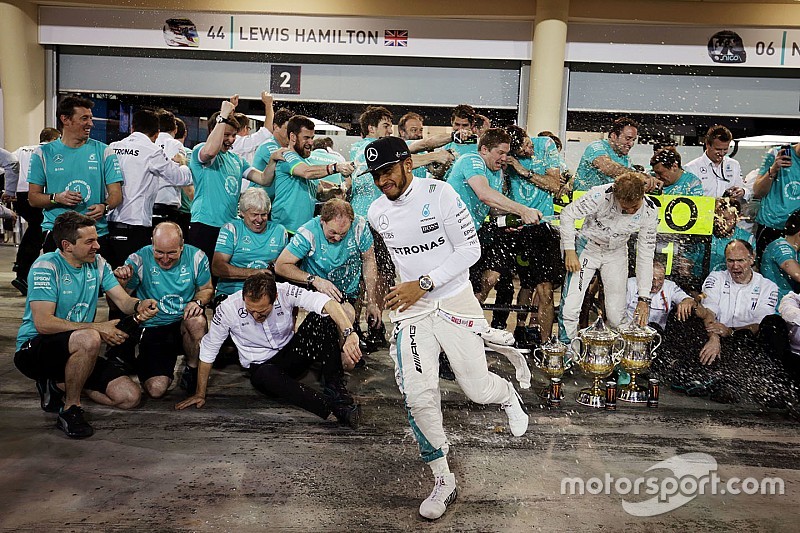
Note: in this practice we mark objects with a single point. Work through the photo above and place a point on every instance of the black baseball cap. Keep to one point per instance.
(384, 152)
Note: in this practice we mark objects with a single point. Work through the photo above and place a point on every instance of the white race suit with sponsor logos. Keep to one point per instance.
(429, 231)
(602, 244)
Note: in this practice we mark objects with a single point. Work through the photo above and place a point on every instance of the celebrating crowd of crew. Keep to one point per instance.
(254, 225)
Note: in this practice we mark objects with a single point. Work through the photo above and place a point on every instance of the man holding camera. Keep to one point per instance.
(778, 186)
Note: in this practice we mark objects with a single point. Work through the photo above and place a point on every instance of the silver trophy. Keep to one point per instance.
(640, 345)
(599, 352)
(551, 359)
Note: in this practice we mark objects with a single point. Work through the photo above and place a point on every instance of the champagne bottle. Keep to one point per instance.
(129, 324)
(515, 221)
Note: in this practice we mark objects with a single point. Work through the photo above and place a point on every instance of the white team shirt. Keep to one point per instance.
(167, 193)
(245, 146)
(661, 302)
(143, 163)
(738, 305)
(10, 167)
(428, 231)
(718, 179)
(607, 229)
(256, 342)
(23, 155)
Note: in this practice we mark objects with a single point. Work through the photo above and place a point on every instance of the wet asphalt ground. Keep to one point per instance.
(245, 463)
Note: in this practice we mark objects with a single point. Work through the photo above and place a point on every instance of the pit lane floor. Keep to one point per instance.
(245, 463)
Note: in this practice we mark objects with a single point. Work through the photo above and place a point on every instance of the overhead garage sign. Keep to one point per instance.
(452, 38)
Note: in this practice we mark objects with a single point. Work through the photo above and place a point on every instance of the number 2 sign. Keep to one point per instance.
(284, 79)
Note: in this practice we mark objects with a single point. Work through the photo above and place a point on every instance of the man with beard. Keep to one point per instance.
(296, 181)
(433, 307)
(606, 159)
(218, 174)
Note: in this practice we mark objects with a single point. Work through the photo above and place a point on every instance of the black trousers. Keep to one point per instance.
(125, 239)
(204, 237)
(31, 243)
(316, 340)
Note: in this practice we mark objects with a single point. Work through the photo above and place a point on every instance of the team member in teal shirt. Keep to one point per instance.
(604, 160)
(334, 252)
(478, 180)
(177, 276)
(58, 344)
(296, 180)
(778, 186)
(75, 172)
(780, 260)
(535, 176)
(279, 140)
(218, 174)
(247, 245)
(726, 217)
(674, 179)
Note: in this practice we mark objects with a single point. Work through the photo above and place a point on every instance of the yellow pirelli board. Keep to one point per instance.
(685, 215)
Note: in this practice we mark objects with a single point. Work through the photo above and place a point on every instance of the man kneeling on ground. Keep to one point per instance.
(259, 319)
(58, 343)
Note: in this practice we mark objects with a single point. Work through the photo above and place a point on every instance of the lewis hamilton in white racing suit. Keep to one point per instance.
(432, 241)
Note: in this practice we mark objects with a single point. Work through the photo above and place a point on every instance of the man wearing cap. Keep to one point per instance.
(432, 241)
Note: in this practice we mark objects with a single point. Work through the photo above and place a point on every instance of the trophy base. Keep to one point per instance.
(633, 394)
(591, 397)
(544, 393)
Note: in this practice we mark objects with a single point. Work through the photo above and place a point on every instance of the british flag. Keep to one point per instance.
(395, 38)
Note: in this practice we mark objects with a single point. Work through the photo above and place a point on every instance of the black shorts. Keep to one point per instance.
(539, 256)
(159, 348)
(125, 239)
(45, 356)
(498, 248)
(204, 237)
(382, 256)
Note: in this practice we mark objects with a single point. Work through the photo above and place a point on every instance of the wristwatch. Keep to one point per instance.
(425, 283)
(346, 332)
(200, 304)
(645, 299)
(310, 281)
(221, 119)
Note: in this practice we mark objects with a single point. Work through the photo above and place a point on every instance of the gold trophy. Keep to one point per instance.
(549, 358)
(637, 355)
(600, 350)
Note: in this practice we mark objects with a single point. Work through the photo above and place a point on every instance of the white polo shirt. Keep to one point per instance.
(23, 155)
(143, 163)
(167, 193)
(737, 305)
(245, 146)
(789, 309)
(258, 342)
(660, 305)
(717, 179)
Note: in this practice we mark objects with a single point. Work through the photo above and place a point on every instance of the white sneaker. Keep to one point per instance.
(517, 417)
(497, 336)
(444, 493)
